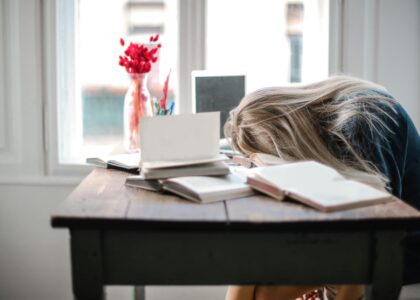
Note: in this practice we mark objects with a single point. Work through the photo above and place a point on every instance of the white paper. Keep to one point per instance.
(208, 184)
(297, 175)
(180, 138)
(336, 193)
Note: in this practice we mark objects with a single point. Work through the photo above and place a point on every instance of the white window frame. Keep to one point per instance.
(191, 39)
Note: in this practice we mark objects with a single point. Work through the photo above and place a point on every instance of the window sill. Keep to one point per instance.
(41, 180)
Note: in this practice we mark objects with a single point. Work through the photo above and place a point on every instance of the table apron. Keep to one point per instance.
(149, 258)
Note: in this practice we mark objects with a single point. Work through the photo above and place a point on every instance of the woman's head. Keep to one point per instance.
(308, 122)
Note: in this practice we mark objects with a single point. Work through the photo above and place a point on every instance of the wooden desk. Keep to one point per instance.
(128, 236)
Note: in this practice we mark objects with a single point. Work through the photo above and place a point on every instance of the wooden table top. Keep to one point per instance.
(103, 201)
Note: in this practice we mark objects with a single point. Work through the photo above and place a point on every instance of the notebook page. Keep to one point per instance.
(186, 137)
(210, 184)
(298, 175)
(339, 193)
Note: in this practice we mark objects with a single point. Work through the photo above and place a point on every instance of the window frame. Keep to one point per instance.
(191, 56)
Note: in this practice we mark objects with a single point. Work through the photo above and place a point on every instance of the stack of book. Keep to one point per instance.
(180, 154)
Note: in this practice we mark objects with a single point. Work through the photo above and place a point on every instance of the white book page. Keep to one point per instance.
(186, 137)
(338, 193)
(295, 176)
(123, 159)
(210, 184)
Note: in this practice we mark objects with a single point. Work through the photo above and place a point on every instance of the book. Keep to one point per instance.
(138, 181)
(206, 189)
(202, 189)
(315, 185)
(128, 162)
(172, 164)
(212, 168)
(180, 138)
(199, 188)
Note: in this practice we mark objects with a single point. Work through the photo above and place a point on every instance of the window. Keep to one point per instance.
(274, 42)
(99, 83)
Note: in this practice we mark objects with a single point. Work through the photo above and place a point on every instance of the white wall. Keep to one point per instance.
(399, 52)
(380, 42)
(35, 259)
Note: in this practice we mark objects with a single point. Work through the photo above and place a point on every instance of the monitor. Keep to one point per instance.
(217, 92)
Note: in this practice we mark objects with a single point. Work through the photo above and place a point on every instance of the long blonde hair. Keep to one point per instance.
(310, 121)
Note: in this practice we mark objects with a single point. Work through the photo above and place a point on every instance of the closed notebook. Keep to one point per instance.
(315, 185)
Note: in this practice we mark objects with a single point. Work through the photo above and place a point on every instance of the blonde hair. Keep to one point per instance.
(314, 122)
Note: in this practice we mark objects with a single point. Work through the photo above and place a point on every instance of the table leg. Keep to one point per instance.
(139, 293)
(387, 266)
(86, 257)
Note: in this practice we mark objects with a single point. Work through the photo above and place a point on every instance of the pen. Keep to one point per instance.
(171, 108)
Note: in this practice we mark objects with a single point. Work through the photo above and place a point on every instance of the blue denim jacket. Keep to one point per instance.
(397, 156)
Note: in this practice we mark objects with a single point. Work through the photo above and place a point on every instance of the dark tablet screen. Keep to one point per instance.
(219, 93)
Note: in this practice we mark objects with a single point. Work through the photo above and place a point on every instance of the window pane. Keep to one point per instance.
(100, 82)
(275, 42)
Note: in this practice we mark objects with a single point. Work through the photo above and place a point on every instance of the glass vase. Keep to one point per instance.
(137, 104)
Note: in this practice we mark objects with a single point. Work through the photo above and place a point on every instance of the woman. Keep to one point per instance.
(352, 125)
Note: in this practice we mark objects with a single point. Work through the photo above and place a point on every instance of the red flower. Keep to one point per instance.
(154, 39)
(139, 58)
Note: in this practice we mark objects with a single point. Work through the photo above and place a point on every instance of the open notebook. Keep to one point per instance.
(181, 145)
(315, 185)
(128, 162)
(202, 189)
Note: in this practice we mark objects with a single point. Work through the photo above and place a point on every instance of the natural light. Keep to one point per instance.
(272, 42)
